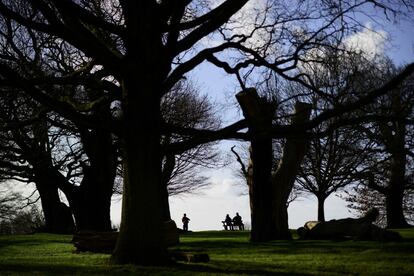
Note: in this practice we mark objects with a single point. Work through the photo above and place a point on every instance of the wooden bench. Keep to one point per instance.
(232, 226)
(227, 226)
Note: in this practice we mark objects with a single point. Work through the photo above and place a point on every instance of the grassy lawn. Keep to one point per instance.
(230, 254)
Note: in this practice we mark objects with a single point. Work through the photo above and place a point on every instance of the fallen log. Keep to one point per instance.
(348, 228)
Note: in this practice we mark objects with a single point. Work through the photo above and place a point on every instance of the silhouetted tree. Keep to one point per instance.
(331, 164)
(144, 48)
(10, 202)
(25, 150)
(392, 154)
(361, 198)
(269, 185)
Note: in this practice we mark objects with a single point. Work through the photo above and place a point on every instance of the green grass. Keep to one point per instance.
(230, 254)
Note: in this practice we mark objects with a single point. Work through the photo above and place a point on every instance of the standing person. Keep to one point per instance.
(185, 221)
(237, 221)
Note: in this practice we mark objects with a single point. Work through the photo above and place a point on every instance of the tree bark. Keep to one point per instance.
(285, 174)
(269, 193)
(167, 171)
(395, 191)
(321, 208)
(141, 237)
(260, 189)
(91, 200)
(259, 114)
(395, 145)
(58, 217)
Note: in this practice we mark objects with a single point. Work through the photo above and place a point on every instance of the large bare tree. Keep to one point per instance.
(392, 155)
(138, 51)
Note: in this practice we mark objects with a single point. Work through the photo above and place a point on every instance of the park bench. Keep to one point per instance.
(232, 226)
(227, 226)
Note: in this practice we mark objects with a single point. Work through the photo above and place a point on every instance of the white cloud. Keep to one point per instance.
(244, 22)
(369, 41)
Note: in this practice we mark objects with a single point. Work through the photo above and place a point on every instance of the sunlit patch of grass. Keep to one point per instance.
(230, 254)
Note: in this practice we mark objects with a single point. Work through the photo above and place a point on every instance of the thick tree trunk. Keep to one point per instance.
(261, 189)
(394, 210)
(321, 208)
(58, 217)
(269, 193)
(166, 213)
(395, 143)
(259, 114)
(285, 174)
(167, 171)
(91, 201)
(395, 191)
(141, 235)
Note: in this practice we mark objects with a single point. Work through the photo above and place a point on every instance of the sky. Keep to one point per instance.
(226, 195)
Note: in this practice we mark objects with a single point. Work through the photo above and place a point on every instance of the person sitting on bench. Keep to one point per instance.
(228, 223)
(237, 221)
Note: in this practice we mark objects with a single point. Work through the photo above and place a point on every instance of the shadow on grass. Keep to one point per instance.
(225, 240)
(225, 268)
(230, 254)
(231, 267)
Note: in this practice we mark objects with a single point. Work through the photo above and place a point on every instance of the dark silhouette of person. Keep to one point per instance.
(185, 221)
(229, 222)
(237, 221)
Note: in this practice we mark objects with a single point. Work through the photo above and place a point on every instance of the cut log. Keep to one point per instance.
(359, 229)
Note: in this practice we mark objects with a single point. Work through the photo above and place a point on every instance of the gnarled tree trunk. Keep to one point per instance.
(58, 217)
(91, 200)
(395, 144)
(259, 114)
(141, 234)
(269, 193)
(285, 174)
(394, 193)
